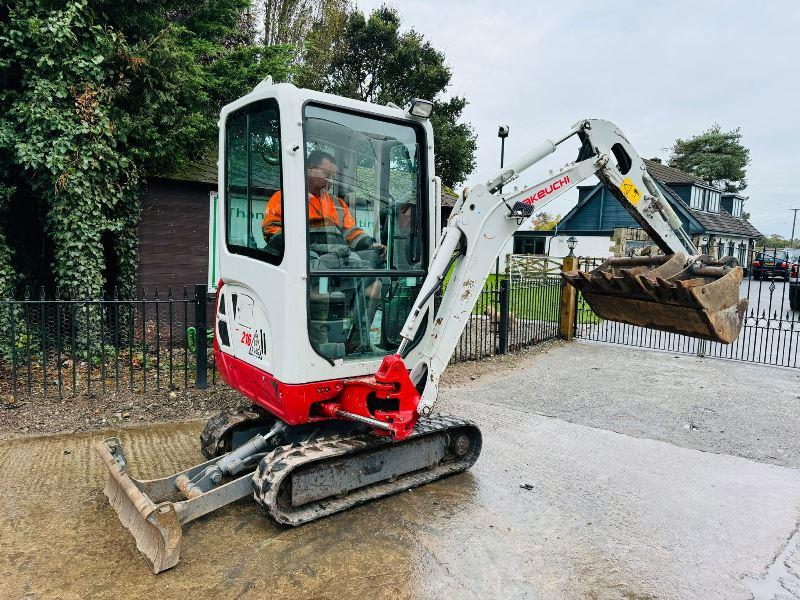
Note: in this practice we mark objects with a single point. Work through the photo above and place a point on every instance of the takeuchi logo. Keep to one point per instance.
(547, 190)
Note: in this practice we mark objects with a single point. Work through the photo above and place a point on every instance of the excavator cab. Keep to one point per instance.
(329, 211)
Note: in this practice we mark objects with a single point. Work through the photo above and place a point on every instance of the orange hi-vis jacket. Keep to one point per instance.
(326, 216)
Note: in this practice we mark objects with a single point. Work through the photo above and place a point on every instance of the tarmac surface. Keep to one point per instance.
(606, 472)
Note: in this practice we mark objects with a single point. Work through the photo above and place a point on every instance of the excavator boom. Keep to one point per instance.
(680, 291)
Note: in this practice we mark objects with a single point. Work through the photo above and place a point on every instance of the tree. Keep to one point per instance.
(96, 96)
(376, 62)
(773, 241)
(325, 40)
(545, 221)
(718, 157)
(287, 21)
(291, 22)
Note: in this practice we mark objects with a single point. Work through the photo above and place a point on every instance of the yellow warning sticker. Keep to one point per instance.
(630, 192)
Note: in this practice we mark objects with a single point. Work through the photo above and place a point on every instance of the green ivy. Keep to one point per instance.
(97, 96)
(7, 274)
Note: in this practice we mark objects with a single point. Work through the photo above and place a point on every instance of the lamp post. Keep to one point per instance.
(569, 297)
(572, 241)
(502, 133)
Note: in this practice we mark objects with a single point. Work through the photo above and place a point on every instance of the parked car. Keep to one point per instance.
(771, 265)
(794, 288)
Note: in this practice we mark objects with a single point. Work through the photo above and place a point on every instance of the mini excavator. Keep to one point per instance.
(331, 255)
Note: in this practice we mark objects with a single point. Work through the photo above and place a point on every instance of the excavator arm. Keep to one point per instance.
(679, 291)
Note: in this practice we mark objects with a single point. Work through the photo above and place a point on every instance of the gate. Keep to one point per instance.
(770, 333)
(511, 315)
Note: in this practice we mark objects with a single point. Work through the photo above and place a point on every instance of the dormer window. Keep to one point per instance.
(734, 204)
(738, 207)
(705, 199)
(712, 204)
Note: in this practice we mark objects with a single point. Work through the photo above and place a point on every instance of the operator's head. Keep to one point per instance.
(321, 171)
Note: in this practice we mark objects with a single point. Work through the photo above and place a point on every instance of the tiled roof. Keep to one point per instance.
(721, 222)
(724, 222)
(669, 174)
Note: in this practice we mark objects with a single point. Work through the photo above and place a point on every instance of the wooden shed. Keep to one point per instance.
(173, 231)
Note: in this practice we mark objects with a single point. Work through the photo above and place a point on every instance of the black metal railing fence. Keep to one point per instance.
(70, 345)
(511, 314)
(161, 341)
(770, 333)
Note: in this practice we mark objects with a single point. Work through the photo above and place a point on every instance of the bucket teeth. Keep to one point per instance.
(666, 293)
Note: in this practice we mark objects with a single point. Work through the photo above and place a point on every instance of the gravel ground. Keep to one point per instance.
(50, 415)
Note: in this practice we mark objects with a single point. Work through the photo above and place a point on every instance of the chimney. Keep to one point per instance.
(655, 159)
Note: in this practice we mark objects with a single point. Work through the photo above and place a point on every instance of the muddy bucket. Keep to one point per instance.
(699, 298)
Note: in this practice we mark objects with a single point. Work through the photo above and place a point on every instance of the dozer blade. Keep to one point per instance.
(699, 298)
(155, 527)
(143, 508)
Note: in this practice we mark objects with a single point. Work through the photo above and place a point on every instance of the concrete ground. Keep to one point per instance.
(607, 472)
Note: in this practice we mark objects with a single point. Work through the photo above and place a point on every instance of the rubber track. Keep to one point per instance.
(281, 462)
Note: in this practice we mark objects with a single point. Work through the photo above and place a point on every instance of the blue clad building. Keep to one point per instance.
(603, 227)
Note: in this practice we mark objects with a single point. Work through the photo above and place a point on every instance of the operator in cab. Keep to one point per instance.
(330, 222)
(334, 242)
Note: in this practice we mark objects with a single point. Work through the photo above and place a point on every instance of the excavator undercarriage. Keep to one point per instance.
(296, 474)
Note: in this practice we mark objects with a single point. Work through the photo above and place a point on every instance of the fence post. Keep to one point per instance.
(505, 315)
(568, 300)
(201, 375)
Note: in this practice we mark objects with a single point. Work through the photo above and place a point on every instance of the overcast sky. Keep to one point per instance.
(660, 70)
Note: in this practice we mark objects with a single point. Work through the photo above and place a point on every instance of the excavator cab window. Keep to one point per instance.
(366, 230)
(253, 182)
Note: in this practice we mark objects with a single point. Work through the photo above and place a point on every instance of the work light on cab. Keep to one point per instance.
(420, 108)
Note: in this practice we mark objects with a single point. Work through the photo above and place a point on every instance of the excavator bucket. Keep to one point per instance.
(699, 298)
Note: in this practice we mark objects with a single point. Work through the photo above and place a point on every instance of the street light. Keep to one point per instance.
(572, 241)
(502, 133)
